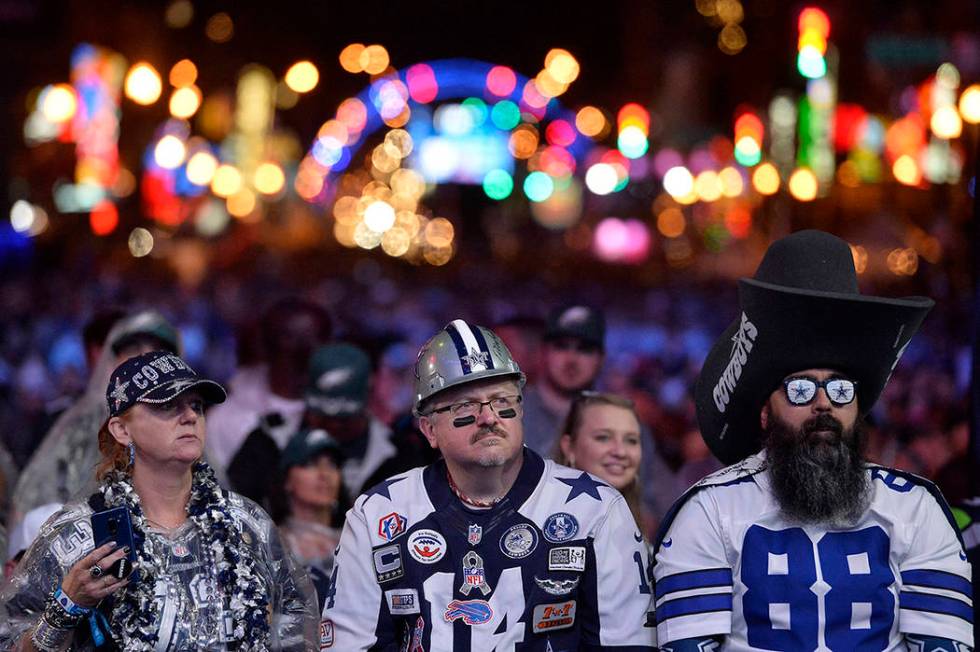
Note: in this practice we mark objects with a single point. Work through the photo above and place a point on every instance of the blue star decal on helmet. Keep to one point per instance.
(584, 484)
(381, 489)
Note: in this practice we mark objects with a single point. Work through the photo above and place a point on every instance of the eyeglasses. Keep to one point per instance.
(504, 407)
(802, 390)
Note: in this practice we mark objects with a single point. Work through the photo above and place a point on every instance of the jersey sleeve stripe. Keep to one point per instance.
(936, 579)
(936, 604)
(698, 579)
(698, 604)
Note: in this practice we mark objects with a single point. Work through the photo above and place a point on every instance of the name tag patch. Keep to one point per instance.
(567, 558)
(402, 601)
(549, 617)
(388, 563)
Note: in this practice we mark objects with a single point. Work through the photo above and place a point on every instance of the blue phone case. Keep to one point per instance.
(114, 525)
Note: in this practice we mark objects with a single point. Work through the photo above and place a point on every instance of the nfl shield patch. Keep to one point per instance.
(475, 534)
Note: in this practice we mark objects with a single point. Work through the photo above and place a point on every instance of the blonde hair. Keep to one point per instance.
(573, 422)
(115, 456)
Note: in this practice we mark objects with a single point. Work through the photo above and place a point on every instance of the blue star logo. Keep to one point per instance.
(381, 489)
(584, 484)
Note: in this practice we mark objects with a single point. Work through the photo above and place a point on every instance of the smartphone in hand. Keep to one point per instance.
(114, 525)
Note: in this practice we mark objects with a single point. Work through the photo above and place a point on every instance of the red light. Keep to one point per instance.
(104, 218)
(848, 123)
(556, 161)
(633, 113)
(749, 124)
(560, 133)
(501, 81)
(738, 221)
(815, 19)
(422, 85)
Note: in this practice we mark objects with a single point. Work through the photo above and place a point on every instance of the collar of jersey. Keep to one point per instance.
(531, 473)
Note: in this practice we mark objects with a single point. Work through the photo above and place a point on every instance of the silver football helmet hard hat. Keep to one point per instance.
(461, 353)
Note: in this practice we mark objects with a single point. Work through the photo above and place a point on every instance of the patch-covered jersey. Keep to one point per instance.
(557, 565)
(728, 563)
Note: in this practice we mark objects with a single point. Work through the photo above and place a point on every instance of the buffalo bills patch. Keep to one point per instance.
(388, 563)
(567, 558)
(326, 634)
(560, 527)
(402, 602)
(519, 541)
(426, 546)
(473, 612)
(391, 526)
(549, 617)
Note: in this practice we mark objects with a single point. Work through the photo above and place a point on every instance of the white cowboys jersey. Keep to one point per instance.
(557, 565)
(729, 564)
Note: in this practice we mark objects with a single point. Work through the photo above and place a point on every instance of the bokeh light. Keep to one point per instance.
(269, 178)
(632, 141)
(505, 115)
(707, 186)
(396, 242)
(498, 184)
(970, 104)
(601, 179)
(523, 141)
(561, 65)
(398, 143)
(765, 179)
(379, 216)
(350, 58)
(422, 84)
(590, 122)
(179, 14)
(169, 152)
(185, 101)
(439, 233)
(501, 81)
(671, 223)
(678, 182)
(143, 84)
(803, 184)
(220, 28)
(241, 203)
(227, 180)
(374, 59)
(732, 183)
(538, 186)
(747, 151)
(183, 73)
(302, 77)
(810, 63)
(946, 123)
(201, 167)
(58, 103)
(907, 171)
(104, 218)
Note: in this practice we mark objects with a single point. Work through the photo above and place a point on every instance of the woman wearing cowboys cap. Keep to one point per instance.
(210, 570)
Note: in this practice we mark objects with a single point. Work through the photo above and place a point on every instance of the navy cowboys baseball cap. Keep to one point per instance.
(156, 377)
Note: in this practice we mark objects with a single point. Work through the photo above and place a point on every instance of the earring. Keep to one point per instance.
(132, 454)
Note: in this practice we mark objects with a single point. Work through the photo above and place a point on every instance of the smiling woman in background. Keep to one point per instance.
(601, 435)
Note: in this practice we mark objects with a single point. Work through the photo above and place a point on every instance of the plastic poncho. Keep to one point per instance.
(63, 467)
(192, 610)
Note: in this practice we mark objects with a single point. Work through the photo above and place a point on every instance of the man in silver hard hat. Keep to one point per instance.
(491, 547)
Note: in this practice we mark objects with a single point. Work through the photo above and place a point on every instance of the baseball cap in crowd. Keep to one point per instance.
(147, 324)
(338, 380)
(306, 445)
(579, 321)
(156, 377)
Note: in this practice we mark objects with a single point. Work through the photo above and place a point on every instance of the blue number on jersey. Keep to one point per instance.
(778, 569)
(644, 585)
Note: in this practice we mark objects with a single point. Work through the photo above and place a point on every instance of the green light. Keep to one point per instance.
(505, 115)
(811, 63)
(747, 152)
(538, 186)
(478, 109)
(498, 184)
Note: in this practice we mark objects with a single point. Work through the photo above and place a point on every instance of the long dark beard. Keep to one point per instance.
(818, 480)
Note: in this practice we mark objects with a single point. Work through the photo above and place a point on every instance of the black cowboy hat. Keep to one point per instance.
(802, 310)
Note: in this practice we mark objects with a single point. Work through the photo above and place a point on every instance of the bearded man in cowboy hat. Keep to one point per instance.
(802, 544)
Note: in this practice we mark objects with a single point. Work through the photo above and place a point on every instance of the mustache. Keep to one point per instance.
(490, 430)
(823, 422)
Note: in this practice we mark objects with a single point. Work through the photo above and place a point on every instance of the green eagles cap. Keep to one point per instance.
(338, 380)
(307, 444)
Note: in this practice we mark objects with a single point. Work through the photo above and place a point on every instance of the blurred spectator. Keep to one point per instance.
(270, 394)
(23, 535)
(65, 461)
(309, 501)
(572, 356)
(601, 435)
(522, 336)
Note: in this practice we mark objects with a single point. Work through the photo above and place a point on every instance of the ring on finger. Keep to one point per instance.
(96, 571)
